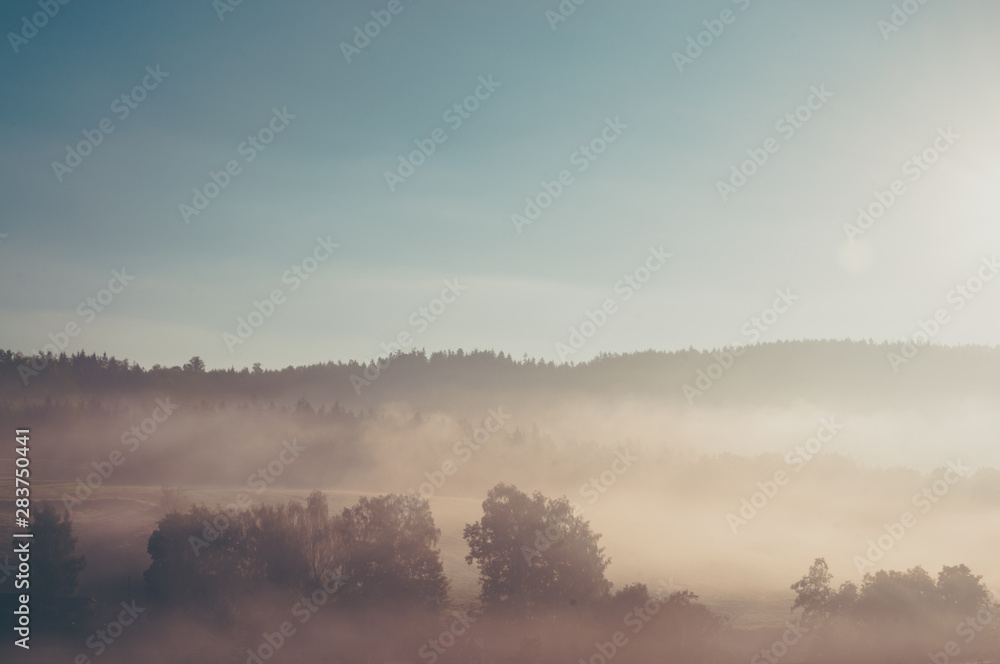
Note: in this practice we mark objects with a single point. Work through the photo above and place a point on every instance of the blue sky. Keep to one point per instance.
(655, 185)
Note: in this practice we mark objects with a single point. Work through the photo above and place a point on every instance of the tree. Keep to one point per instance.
(390, 552)
(534, 553)
(813, 592)
(889, 596)
(195, 365)
(962, 591)
(634, 594)
(55, 569)
(385, 549)
(844, 600)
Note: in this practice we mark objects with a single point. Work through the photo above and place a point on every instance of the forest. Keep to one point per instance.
(531, 513)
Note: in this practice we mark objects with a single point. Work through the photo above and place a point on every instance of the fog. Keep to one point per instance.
(732, 498)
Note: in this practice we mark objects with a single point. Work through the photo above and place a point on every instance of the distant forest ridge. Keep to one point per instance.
(768, 372)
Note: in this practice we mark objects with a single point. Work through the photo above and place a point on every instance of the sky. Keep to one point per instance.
(625, 131)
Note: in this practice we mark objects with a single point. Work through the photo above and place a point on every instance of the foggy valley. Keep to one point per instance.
(732, 497)
(551, 332)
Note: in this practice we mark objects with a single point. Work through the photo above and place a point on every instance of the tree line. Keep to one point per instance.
(783, 369)
(541, 567)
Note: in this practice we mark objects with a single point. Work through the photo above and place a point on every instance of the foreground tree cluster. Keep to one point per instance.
(899, 614)
(543, 591)
(541, 571)
(381, 549)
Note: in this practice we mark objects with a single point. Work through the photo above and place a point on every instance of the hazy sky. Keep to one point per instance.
(554, 86)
